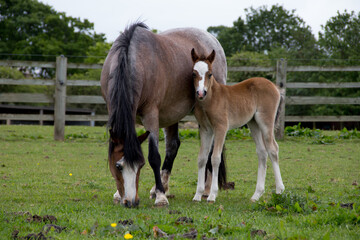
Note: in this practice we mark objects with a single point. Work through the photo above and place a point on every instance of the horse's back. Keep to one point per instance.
(161, 68)
(203, 42)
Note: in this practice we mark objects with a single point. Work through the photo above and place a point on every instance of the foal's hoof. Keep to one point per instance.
(197, 198)
(211, 199)
(280, 190)
(161, 199)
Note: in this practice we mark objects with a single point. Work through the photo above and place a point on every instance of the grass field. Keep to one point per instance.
(68, 184)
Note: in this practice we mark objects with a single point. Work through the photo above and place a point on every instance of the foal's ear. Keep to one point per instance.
(143, 137)
(194, 56)
(211, 57)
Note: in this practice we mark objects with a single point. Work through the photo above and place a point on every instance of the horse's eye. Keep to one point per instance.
(210, 75)
(194, 75)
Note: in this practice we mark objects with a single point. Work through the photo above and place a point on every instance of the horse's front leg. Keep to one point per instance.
(172, 145)
(219, 139)
(206, 138)
(151, 123)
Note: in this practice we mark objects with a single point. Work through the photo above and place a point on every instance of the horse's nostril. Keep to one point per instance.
(205, 93)
(197, 93)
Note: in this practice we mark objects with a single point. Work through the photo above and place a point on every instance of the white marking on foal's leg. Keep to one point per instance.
(262, 157)
(206, 141)
(215, 161)
(117, 198)
(280, 188)
(260, 185)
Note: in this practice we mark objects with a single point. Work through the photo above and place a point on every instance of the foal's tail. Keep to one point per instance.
(280, 107)
(222, 168)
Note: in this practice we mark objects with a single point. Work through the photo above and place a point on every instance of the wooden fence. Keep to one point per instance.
(60, 98)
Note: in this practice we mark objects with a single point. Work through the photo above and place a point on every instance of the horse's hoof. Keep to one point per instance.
(161, 199)
(117, 198)
(152, 193)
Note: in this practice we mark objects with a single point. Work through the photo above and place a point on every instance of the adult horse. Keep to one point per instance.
(147, 78)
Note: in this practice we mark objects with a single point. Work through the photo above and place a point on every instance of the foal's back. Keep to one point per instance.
(250, 97)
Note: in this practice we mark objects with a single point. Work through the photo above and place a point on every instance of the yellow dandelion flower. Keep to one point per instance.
(128, 236)
(70, 174)
(113, 225)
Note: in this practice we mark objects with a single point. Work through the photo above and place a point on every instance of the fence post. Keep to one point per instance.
(60, 98)
(281, 82)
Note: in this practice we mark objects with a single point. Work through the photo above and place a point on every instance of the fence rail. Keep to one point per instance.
(60, 99)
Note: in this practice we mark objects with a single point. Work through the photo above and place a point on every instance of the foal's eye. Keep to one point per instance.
(194, 75)
(210, 75)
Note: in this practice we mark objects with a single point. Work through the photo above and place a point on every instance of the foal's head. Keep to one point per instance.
(125, 172)
(202, 73)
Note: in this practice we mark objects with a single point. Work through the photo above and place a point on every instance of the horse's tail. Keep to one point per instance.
(222, 168)
(280, 107)
(121, 99)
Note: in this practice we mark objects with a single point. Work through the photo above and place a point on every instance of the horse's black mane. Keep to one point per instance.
(121, 119)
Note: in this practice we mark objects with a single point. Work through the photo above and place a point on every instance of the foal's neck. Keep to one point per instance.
(214, 93)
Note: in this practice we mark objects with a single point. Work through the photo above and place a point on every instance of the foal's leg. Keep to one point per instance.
(272, 149)
(151, 123)
(219, 139)
(262, 156)
(206, 138)
(172, 146)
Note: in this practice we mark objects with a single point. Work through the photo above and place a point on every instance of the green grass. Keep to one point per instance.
(35, 177)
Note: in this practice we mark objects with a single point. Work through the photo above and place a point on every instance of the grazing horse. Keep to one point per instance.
(147, 79)
(218, 108)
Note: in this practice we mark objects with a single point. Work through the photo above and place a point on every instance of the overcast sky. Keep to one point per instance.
(112, 16)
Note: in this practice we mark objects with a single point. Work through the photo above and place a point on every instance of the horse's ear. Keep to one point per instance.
(194, 56)
(211, 57)
(143, 137)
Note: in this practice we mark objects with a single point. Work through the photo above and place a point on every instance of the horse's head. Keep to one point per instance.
(202, 73)
(125, 171)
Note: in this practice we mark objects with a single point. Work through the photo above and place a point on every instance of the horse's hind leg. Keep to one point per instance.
(172, 145)
(272, 149)
(151, 123)
(262, 157)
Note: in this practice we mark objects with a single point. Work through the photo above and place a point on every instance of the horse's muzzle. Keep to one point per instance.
(201, 94)
(130, 204)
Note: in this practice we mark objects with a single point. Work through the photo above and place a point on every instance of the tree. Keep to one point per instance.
(232, 39)
(341, 37)
(33, 28)
(265, 30)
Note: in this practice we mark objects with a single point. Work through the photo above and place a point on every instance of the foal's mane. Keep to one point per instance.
(121, 119)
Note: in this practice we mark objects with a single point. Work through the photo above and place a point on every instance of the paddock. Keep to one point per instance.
(70, 180)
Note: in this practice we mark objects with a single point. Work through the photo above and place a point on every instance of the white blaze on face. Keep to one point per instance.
(129, 177)
(202, 68)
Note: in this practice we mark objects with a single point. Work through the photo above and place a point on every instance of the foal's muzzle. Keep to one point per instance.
(201, 94)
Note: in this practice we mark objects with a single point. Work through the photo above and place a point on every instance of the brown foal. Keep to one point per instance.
(218, 108)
